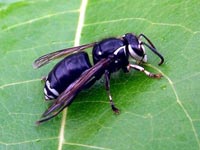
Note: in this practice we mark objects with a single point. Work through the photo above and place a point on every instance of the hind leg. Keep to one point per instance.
(107, 85)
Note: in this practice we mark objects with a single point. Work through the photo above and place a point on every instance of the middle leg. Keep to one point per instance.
(107, 86)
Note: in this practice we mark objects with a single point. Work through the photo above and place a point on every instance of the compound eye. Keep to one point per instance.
(135, 53)
(140, 50)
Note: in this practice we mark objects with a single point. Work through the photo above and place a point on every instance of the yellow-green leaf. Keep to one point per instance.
(155, 114)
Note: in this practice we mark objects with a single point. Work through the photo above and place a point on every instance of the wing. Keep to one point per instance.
(69, 94)
(48, 57)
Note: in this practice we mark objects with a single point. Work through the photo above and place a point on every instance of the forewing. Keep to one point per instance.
(68, 95)
(60, 53)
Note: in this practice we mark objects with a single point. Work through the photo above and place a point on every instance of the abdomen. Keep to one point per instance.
(64, 73)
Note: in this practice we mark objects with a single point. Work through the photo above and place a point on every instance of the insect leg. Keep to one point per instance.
(139, 68)
(107, 85)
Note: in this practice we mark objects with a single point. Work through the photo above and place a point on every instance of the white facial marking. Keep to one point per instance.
(145, 58)
(49, 97)
(143, 48)
(50, 89)
(133, 54)
(45, 91)
(46, 97)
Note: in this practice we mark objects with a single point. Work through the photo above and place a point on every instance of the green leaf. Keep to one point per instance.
(155, 114)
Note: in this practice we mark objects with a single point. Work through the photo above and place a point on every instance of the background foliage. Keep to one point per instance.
(155, 114)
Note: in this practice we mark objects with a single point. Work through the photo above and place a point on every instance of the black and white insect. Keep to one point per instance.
(75, 72)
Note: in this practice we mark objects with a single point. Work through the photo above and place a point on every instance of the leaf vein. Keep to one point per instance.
(39, 18)
(62, 129)
(143, 19)
(18, 83)
(180, 104)
(88, 146)
(28, 141)
(39, 46)
(81, 19)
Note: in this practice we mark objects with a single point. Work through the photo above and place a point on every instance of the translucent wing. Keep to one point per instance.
(69, 94)
(51, 56)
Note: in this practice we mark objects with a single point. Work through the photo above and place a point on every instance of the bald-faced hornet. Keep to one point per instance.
(75, 72)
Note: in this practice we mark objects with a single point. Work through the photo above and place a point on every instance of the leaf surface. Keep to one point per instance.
(155, 114)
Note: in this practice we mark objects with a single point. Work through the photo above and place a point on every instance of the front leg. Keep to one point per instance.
(139, 68)
(107, 85)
